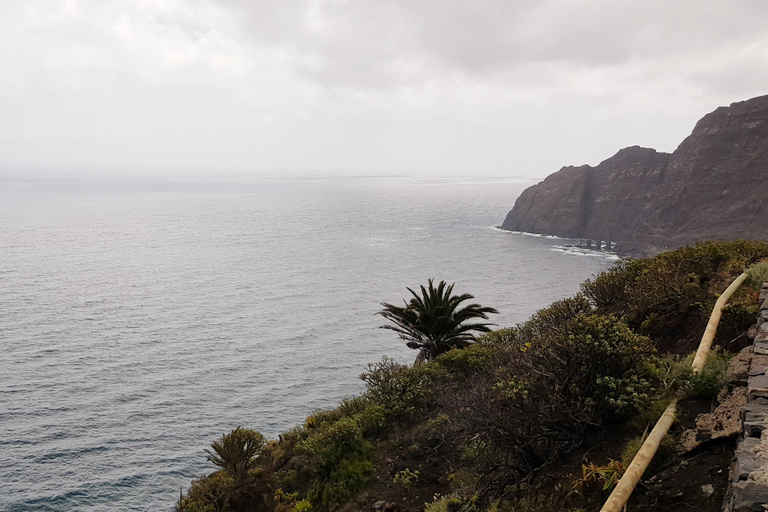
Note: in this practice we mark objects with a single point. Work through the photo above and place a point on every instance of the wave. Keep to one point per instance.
(580, 251)
(525, 233)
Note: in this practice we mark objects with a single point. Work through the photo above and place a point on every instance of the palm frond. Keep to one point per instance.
(433, 322)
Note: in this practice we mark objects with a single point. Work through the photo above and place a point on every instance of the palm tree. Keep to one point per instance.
(433, 323)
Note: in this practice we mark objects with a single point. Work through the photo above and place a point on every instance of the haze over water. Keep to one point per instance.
(140, 321)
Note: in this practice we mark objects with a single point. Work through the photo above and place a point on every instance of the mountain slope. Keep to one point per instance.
(713, 187)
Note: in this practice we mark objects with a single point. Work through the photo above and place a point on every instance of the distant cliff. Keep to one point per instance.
(713, 187)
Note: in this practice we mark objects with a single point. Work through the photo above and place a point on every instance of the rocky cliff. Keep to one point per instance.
(714, 186)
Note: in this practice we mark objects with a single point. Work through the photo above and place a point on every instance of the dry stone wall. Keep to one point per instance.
(749, 475)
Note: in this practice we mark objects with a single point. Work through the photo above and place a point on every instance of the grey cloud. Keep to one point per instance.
(354, 39)
(386, 83)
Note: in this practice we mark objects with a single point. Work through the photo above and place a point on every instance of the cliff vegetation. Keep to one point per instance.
(541, 416)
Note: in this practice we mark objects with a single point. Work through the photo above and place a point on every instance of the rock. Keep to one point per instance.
(755, 420)
(386, 506)
(748, 496)
(739, 367)
(712, 187)
(761, 344)
(708, 490)
(725, 421)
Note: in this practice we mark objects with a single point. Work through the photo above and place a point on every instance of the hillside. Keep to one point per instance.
(712, 187)
(542, 415)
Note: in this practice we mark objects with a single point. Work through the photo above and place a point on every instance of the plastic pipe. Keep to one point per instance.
(714, 319)
(639, 464)
(632, 475)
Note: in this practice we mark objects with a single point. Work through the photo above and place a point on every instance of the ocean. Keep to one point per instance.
(142, 319)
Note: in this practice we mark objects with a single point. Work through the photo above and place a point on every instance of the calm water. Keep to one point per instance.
(140, 321)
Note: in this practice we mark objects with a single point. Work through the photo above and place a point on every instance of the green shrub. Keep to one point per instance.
(343, 483)
(406, 477)
(236, 452)
(320, 418)
(553, 320)
(339, 462)
(647, 418)
(372, 420)
(737, 318)
(603, 477)
(403, 391)
(476, 357)
(286, 478)
(671, 294)
(664, 454)
(369, 416)
(303, 506)
(209, 494)
(452, 503)
(336, 442)
(352, 406)
(598, 369)
(549, 392)
(707, 383)
(758, 274)
(609, 291)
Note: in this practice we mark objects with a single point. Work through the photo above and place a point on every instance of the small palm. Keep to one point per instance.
(433, 322)
(236, 452)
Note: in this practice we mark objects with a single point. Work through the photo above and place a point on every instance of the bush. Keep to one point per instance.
(452, 503)
(338, 461)
(209, 494)
(403, 391)
(599, 369)
(707, 383)
(664, 454)
(758, 274)
(303, 506)
(609, 291)
(603, 477)
(406, 477)
(476, 357)
(549, 391)
(645, 420)
(671, 295)
(737, 317)
(236, 452)
(553, 320)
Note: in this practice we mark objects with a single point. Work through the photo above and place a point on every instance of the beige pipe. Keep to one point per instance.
(714, 319)
(639, 464)
(632, 475)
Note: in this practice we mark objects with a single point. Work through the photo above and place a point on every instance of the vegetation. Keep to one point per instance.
(487, 425)
(758, 274)
(433, 323)
(236, 452)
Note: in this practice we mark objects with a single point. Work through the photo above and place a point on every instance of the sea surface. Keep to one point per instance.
(142, 319)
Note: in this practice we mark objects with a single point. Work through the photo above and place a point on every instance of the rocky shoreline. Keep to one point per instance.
(712, 187)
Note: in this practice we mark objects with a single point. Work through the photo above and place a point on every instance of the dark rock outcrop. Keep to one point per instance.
(713, 187)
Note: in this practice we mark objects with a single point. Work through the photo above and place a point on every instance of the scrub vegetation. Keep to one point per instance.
(544, 414)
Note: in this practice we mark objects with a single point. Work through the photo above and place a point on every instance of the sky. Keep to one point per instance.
(362, 87)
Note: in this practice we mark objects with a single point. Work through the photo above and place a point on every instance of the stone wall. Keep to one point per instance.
(749, 474)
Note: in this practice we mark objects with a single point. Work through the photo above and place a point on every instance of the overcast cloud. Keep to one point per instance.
(364, 86)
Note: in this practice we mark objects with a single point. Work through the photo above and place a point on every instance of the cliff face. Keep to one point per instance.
(712, 187)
